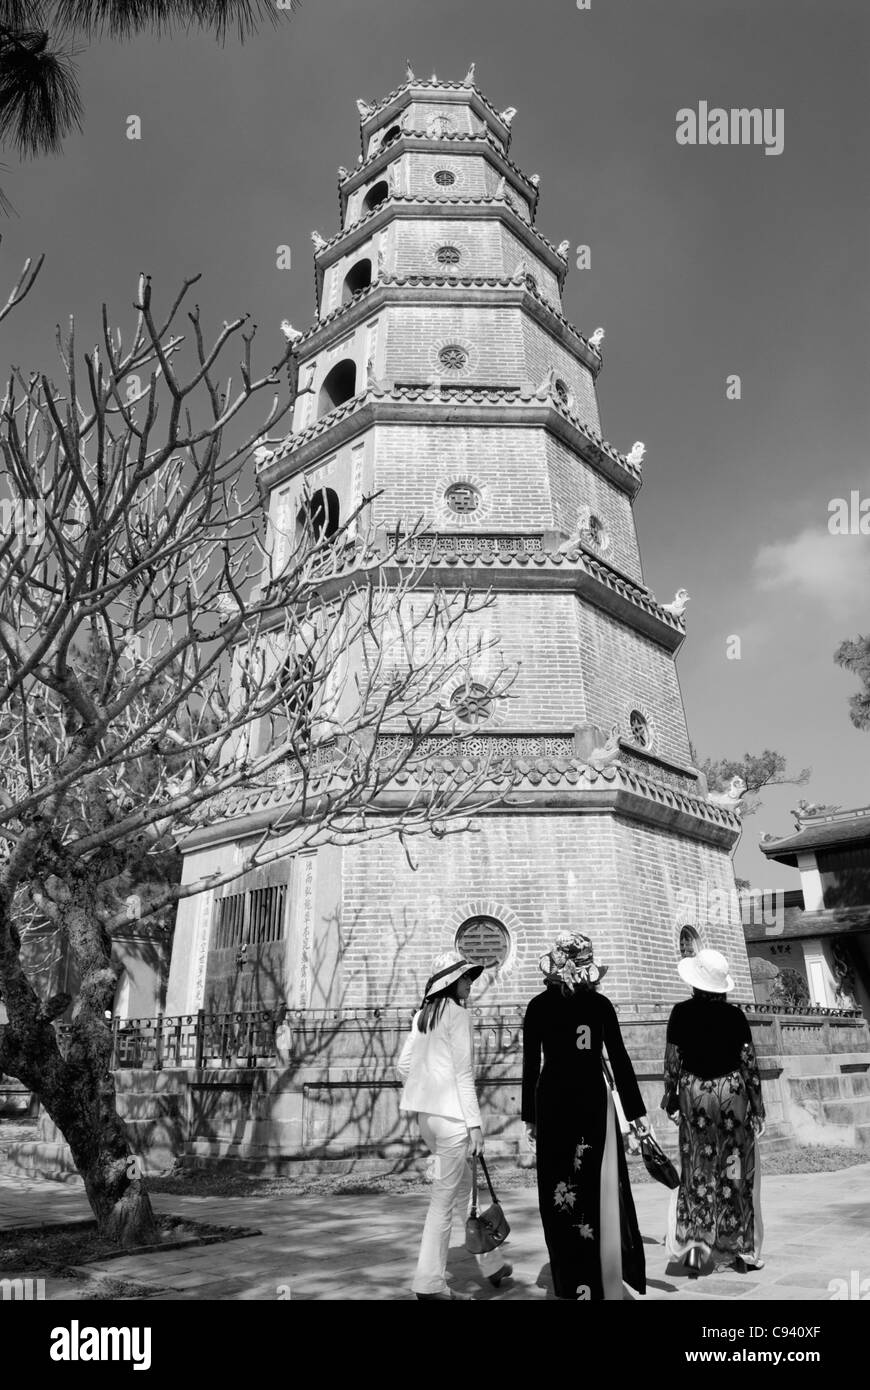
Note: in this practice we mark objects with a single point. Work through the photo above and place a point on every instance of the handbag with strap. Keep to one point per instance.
(484, 1230)
(655, 1160)
(657, 1163)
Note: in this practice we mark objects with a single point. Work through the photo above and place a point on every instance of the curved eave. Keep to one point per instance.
(494, 291)
(419, 142)
(417, 405)
(436, 209)
(552, 573)
(452, 93)
(615, 792)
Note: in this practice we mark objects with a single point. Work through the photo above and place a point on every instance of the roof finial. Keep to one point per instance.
(469, 77)
(409, 73)
(636, 453)
(678, 606)
(365, 108)
(508, 114)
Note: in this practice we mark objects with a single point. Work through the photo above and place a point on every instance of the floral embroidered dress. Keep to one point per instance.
(584, 1195)
(712, 1080)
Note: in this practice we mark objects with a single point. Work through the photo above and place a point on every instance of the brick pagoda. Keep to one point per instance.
(442, 375)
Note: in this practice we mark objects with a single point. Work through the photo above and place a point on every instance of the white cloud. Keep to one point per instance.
(834, 570)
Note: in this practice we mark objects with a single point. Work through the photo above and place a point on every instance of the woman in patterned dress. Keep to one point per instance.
(713, 1091)
(584, 1195)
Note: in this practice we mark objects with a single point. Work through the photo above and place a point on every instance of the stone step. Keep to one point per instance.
(36, 1159)
(146, 1081)
(852, 1111)
(134, 1105)
(829, 1087)
(822, 1063)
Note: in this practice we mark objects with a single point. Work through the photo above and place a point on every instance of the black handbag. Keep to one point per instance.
(655, 1160)
(484, 1230)
(657, 1163)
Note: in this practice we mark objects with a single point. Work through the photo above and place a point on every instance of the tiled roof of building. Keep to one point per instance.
(822, 832)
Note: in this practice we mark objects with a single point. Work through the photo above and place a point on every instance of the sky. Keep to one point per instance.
(706, 261)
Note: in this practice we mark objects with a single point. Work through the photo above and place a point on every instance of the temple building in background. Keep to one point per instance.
(821, 954)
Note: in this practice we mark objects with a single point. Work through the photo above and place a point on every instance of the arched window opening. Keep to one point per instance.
(339, 385)
(359, 277)
(290, 718)
(392, 134)
(690, 942)
(319, 516)
(377, 194)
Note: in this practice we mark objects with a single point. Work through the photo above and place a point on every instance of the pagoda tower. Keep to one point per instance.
(441, 375)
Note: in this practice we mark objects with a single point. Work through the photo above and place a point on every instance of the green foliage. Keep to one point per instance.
(854, 656)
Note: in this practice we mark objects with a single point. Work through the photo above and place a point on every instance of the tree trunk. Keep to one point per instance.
(78, 1089)
(88, 1120)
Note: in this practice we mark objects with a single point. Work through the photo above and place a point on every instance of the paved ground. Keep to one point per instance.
(817, 1229)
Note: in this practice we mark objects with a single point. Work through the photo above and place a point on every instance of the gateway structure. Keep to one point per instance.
(442, 375)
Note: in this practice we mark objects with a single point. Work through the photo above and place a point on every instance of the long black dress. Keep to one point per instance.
(712, 1081)
(584, 1194)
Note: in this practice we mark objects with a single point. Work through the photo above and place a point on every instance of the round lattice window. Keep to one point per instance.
(690, 942)
(439, 125)
(471, 703)
(462, 497)
(448, 255)
(483, 941)
(453, 358)
(444, 177)
(639, 728)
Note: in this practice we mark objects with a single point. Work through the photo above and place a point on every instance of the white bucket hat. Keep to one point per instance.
(707, 970)
(446, 969)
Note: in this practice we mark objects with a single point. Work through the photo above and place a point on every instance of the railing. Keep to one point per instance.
(807, 1010)
(247, 1038)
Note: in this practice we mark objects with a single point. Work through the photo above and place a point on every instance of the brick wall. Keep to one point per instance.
(479, 244)
(514, 251)
(623, 670)
(573, 485)
(505, 348)
(413, 464)
(616, 880)
(474, 176)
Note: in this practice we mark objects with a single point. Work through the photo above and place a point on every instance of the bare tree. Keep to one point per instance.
(149, 615)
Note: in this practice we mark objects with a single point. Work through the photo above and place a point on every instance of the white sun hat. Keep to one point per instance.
(707, 970)
(447, 968)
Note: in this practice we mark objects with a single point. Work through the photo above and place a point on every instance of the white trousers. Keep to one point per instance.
(451, 1190)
